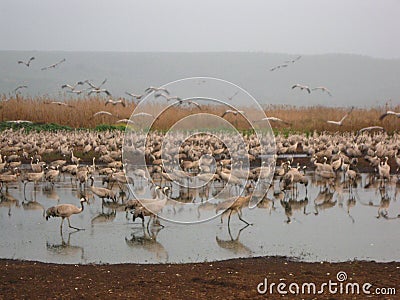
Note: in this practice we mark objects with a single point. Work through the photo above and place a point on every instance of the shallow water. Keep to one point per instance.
(334, 230)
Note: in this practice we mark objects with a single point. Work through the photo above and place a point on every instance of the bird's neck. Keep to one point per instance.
(82, 207)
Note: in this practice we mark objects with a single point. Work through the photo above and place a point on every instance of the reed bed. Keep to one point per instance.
(80, 115)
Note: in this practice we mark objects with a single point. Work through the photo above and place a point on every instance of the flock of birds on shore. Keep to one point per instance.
(202, 159)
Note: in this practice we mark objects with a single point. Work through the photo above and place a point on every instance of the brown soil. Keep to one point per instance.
(231, 279)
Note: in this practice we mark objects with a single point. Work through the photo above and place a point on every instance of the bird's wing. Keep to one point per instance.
(308, 90)
(344, 117)
(332, 122)
(89, 83)
(195, 103)
(21, 62)
(226, 112)
(383, 116)
(165, 90)
(295, 85)
(371, 128)
(102, 113)
(104, 81)
(107, 92)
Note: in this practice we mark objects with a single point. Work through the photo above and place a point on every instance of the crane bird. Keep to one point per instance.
(389, 113)
(135, 96)
(53, 65)
(102, 112)
(181, 102)
(20, 87)
(97, 87)
(278, 67)
(141, 114)
(340, 123)
(302, 87)
(293, 60)
(150, 207)
(20, 122)
(127, 121)
(78, 92)
(65, 211)
(98, 91)
(26, 63)
(275, 119)
(234, 95)
(115, 102)
(59, 103)
(234, 112)
(156, 89)
(322, 88)
(168, 98)
(370, 128)
(72, 87)
(229, 206)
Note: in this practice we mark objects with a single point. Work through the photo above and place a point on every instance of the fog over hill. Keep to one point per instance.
(354, 80)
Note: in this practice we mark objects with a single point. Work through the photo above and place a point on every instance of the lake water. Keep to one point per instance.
(342, 226)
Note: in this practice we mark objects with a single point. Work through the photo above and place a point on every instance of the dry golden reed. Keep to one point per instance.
(301, 119)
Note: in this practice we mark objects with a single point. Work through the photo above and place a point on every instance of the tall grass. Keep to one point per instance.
(80, 115)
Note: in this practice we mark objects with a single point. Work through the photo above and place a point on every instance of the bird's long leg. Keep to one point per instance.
(240, 218)
(148, 223)
(25, 183)
(69, 224)
(62, 221)
(229, 218)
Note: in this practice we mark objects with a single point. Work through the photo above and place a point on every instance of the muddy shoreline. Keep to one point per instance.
(229, 279)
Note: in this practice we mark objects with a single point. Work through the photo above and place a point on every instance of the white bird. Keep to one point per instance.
(168, 98)
(59, 103)
(26, 63)
(20, 122)
(278, 67)
(53, 65)
(340, 123)
(20, 87)
(389, 113)
(181, 102)
(135, 96)
(234, 112)
(293, 60)
(370, 128)
(156, 89)
(102, 112)
(98, 91)
(141, 114)
(125, 121)
(95, 86)
(322, 88)
(302, 87)
(72, 87)
(275, 119)
(115, 102)
(78, 92)
(231, 97)
(65, 211)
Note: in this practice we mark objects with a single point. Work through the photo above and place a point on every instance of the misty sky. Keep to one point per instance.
(368, 27)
